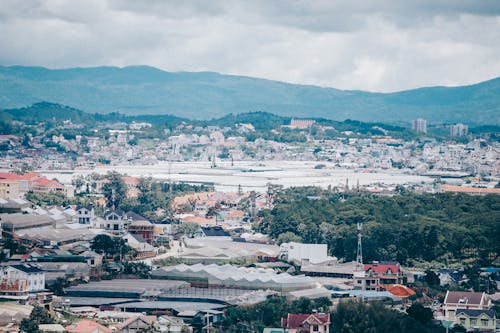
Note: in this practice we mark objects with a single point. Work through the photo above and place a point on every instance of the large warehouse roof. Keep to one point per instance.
(237, 277)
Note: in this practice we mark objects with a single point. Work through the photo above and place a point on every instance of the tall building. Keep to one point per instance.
(419, 125)
(459, 130)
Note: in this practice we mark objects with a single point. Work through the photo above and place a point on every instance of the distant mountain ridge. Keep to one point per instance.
(204, 95)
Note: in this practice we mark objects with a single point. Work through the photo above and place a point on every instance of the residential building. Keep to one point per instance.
(140, 226)
(9, 189)
(378, 274)
(459, 130)
(143, 248)
(87, 326)
(85, 214)
(419, 125)
(115, 221)
(476, 320)
(33, 276)
(464, 300)
(301, 123)
(302, 323)
(137, 324)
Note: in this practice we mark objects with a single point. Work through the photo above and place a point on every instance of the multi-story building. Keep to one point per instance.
(377, 274)
(24, 274)
(419, 125)
(456, 301)
(85, 215)
(459, 130)
(139, 226)
(476, 320)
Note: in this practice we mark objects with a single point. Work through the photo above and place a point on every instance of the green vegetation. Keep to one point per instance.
(111, 246)
(268, 313)
(408, 228)
(348, 317)
(39, 315)
(142, 89)
(353, 317)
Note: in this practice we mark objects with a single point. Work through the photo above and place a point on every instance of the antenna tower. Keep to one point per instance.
(359, 255)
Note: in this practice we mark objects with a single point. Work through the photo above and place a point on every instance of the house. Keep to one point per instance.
(172, 324)
(13, 186)
(137, 324)
(87, 326)
(464, 300)
(85, 214)
(143, 248)
(33, 276)
(234, 216)
(449, 276)
(377, 274)
(476, 320)
(140, 226)
(115, 221)
(302, 323)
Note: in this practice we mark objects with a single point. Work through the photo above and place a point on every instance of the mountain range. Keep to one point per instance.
(140, 90)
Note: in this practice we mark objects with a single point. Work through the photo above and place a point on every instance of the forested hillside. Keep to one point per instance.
(407, 228)
(204, 95)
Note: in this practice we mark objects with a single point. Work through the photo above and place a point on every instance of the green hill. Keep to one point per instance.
(204, 95)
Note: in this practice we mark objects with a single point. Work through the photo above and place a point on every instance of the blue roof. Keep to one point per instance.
(476, 313)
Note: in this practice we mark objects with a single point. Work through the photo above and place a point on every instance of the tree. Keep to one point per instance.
(29, 326)
(288, 237)
(115, 190)
(431, 278)
(188, 228)
(40, 315)
(420, 313)
(103, 244)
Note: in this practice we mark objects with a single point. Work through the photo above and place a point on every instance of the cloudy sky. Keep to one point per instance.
(385, 45)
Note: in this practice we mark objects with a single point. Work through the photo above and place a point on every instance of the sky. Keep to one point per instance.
(386, 45)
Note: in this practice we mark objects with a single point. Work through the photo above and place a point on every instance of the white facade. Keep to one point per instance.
(34, 276)
(85, 215)
(314, 253)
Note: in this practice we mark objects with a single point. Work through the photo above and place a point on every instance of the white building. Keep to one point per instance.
(459, 130)
(464, 300)
(419, 125)
(298, 252)
(34, 276)
(85, 214)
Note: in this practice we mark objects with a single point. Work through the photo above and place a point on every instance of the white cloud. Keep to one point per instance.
(377, 45)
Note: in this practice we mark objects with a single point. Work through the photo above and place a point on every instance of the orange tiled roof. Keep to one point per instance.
(87, 326)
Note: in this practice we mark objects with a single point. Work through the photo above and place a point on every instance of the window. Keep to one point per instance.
(462, 321)
(473, 321)
(484, 322)
(315, 328)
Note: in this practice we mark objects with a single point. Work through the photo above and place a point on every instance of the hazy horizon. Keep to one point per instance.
(382, 46)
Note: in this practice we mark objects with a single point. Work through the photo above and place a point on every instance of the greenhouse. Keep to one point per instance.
(230, 276)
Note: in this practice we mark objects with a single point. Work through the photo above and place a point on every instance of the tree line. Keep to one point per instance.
(423, 227)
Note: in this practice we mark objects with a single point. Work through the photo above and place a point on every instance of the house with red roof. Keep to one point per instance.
(306, 323)
(378, 274)
(13, 186)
